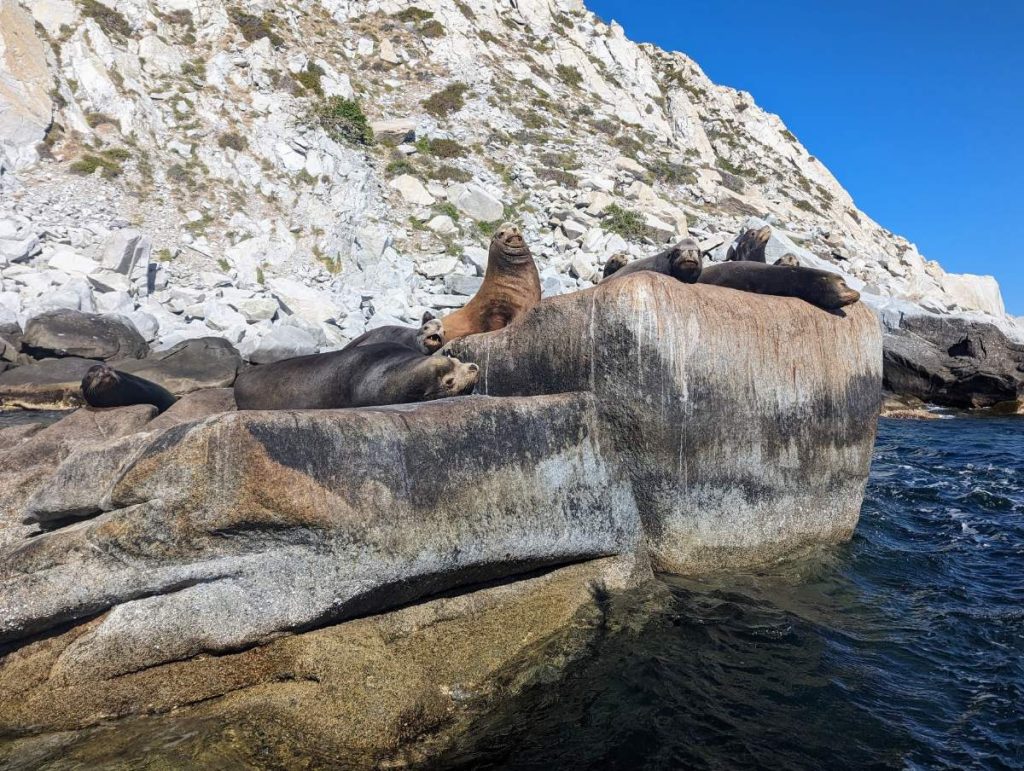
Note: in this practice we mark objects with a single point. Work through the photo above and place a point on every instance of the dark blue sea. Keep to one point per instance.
(902, 649)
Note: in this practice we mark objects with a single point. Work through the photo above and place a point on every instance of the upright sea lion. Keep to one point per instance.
(104, 386)
(749, 246)
(682, 262)
(511, 287)
(818, 287)
(363, 376)
(428, 338)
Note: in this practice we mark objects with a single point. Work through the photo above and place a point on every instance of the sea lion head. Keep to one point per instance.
(431, 334)
(100, 378)
(788, 259)
(451, 377)
(615, 263)
(509, 245)
(685, 262)
(834, 293)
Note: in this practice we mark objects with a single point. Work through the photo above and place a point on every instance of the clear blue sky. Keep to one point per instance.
(916, 106)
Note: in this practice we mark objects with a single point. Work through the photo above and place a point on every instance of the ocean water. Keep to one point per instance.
(901, 649)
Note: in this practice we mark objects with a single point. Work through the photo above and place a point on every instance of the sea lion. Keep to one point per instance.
(788, 259)
(749, 246)
(818, 287)
(428, 338)
(363, 376)
(104, 386)
(682, 262)
(511, 287)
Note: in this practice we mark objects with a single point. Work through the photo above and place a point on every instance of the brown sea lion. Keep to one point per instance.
(363, 376)
(427, 338)
(682, 262)
(788, 259)
(104, 386)
(749, 246)
(511, 287)
(818, 287)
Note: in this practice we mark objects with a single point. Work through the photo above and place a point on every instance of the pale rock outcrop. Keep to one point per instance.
(25, 85)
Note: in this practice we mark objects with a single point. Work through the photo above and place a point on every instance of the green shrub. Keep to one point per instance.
(108, 162)
(194, 69)
(806, 206)
(95, 119)
(110, 21)
(413, 14)
(672, 173)
(446, 173)
(465, 10)
(445, 148)
(432, 28)
(309, 78)
(446, 101)
(343, 120)
(563, 178)
(449, 209)
(399, 165)
(788, 135)
(232, 139)
(223, 264)
(626, 222)
(255, 27)
(569, 75)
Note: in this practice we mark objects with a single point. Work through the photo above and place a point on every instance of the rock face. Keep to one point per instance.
(746, 424)
(25, 84)
(86, 335)
(953, 361)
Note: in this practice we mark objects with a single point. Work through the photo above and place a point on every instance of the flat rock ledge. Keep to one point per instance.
(358, 582)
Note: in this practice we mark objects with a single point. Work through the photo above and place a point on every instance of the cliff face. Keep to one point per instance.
(203, 166)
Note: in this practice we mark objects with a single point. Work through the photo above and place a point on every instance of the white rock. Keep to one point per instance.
(67, 259)
(220, 316)
(281, 342)
(25, 84)
(631, 167)
(412, 190)
(442, 224)
(124, 249)
(437, 268)
(296, 298)
(980, 293)
(477, 257)
(573, 229)
(146, 323)
(394, 132)
(475, 202)
(387, 52)
(104, 280)
(12, 250)
(114, 302)
(256, 308)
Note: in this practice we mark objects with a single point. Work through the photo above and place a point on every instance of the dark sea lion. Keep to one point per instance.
(818, 287)
(363, 376)
(428, 338)
(788, 259)
(511, 287)
(749, 246)
(682, 262)
(104, 386)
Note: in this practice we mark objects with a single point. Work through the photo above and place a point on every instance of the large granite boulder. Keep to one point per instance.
(87, 335)
(745, 423)
(51, 382)
(953, 361)
(297, 519)
(191, 365)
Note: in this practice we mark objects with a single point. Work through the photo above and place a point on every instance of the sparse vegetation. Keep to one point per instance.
(224, 265)
(571, 76)
(788, 135)
(194, 69)
(465, 10)
(255, 27)
(559, 176)
(95, 119)
(260, 278)
(448, 209)
(672, 173)
(432, 28)
(343, 120)
(726, 165)
(232, 139)
(309, 78)
(110, 21)
(626, 222)
(108, 161)
(442, 148)
(487, 36)
(806, 206)
(448, 100)
(413, 14)
(164, 255)
(399, 165)
(446, 173)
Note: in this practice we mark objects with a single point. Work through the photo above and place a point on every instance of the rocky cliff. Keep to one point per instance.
(287, 175)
